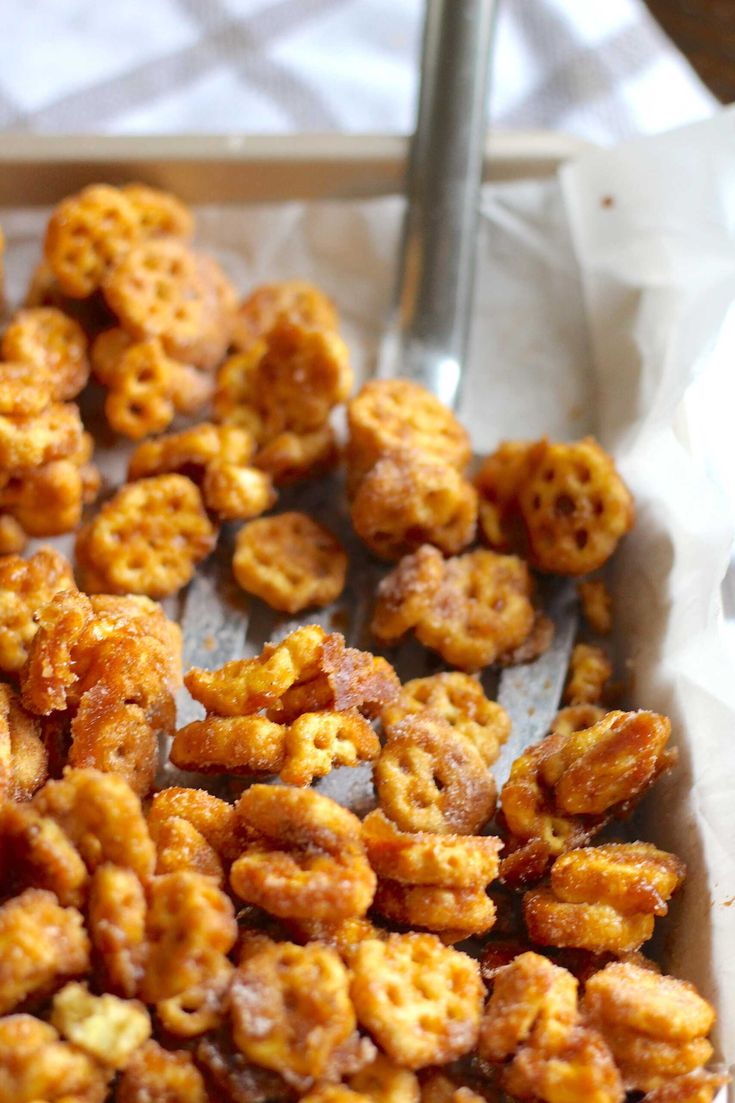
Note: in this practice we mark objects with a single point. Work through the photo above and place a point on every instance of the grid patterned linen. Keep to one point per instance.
(598, 68)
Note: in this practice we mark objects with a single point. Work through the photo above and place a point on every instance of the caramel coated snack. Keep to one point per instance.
(162, 1075)
(604, 898)
(656, 1026)
(428, 778)
(28, 440)
(420, 1000)
(48, 500)
(287, 381)
(35, 1064)
(26, 585)
(215, 457)
(297, 300)
(290, 457)
(407, 499)
(564, 789)
(460, 701)
(589, 672)
(304, 857)
(392, 415)
(290, 561)
(23, 756)
(147, 539)
(474, 609)
(291, 1010)
(54, 344)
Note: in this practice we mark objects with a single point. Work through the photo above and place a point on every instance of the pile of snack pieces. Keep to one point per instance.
(165, 946)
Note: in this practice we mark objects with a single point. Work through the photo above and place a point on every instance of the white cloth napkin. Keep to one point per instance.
(602, 70)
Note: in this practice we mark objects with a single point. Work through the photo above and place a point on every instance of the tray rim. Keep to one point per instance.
(40, 169)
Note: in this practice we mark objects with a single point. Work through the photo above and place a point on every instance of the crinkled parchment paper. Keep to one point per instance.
(615, 351)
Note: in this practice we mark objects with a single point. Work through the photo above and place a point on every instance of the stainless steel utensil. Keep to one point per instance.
(426, 341)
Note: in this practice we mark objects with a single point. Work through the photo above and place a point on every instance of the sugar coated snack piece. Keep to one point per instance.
(296, 299)
(26, 585)
(53, 343)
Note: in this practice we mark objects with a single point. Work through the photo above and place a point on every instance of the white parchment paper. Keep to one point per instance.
(622, 339)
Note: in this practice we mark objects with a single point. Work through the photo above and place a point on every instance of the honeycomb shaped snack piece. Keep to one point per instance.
(116, 922)
(575, 506)
(290, 561)
(41, 944)
(241, 745)
(246, 686)
(114, 735)
(589, 672)
(35, 853)
(304, 858)
(462, 912)
(48, 500)
(190, 929)
(102, 817)
(344, 935)
(159, 213)
(460, 701)
(498, 483)
(408, 499)
(389, 415)
(693, 1087)
(405, 595)
(106, 1028)
(596, 604)
(35, 1065)
(201, 1008)
(582, 1069)
(25, 585)
(54, 344)
(599, 928)
(31, 440)
(317, 741)
(291, 1010)
(163, 289)
(291, 457)
(287, 381)
(213, 818)
(179, 846)
(428, 778)
(298, 300)
(421, 1001)
(450, 861)
(146, 539)
(656, 1026)
(23, 755)
(632, 877)
(563, 790)
(233, 492)
(25, 390)
(87, 234)
(158, 1075)
(384, 1081)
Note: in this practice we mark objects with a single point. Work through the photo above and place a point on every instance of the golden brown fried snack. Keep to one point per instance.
(460, 912)
(190, 928)
(102, 817)
(428, 778)
(318, 741)
(242, 745)
(692, 1087)
(146, 539)
(408, 499)
(48, 500)
(287, 381)
(343, 934)
(23, 756)
(157, 1075)
(291, 1010)
(589, 672)
(35, 1065)
(54, 344)
(460, 701)
(35, 853)
(115, 736)
(162, 289)
(382, 1081)
(290, 457)
(231, 1077)
(41, 944)
(179, 846)
(438, 1087)
(656, 1026)
(290, 561)
(213, 818)
(116, 923)
(596, 604)
(86, 235)
(581, 1069)
(452, 861)
(600, 928)
(498, 482)
(420, 1000)
(202, 1007)
(304, 857)
(159, 213)
(575, 718)
(390, 415)
(298, 300)
(575, 506)
(474, 609)
(106, 1028)
(31, 440)
(563, 790)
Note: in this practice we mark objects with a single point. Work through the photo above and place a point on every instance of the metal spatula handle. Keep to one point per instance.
(427, 340)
